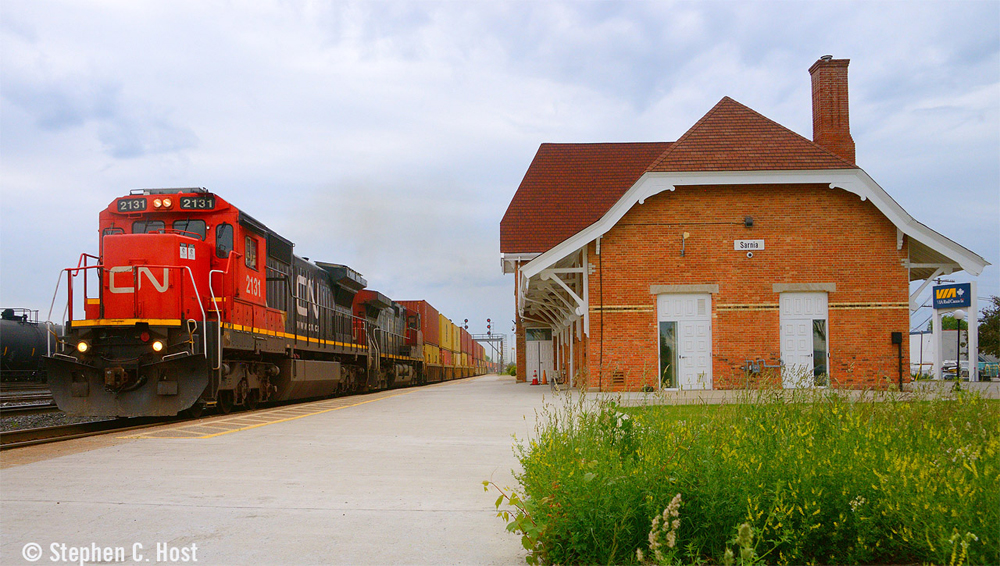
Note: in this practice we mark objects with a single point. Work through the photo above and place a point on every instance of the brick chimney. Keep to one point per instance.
(831, 127)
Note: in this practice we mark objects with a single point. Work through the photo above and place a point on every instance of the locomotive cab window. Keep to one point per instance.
(223, 240)
(192, 228)
(147, 226)
(251, 253)
(110, 231)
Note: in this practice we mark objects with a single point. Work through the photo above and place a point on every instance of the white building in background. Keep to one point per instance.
(922, 350)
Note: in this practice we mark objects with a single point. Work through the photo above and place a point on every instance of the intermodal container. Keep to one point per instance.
(432, 354)
(444, 340)
(430, 324)
(452, 336)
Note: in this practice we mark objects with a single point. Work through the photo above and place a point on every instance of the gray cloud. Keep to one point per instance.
(125, 130)
(143, 133)
(57, 104)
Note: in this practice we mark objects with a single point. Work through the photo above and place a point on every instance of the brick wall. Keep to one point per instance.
(812, 234)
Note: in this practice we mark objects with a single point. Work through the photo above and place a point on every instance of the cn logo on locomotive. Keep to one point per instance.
(160, 287)
(308, 289)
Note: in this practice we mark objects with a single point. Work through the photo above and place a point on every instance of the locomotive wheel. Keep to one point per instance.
(194, 411)
(225, 402)
(252, 400)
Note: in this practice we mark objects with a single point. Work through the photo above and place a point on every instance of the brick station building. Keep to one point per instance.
(739, 253)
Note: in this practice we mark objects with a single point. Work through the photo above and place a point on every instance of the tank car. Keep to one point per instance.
(24, 342)
(191, 302)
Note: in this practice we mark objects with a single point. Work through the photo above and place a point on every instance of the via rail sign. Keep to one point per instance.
(953, 296)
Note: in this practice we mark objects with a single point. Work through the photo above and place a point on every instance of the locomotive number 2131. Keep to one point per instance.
(253, 286)
(197, 203)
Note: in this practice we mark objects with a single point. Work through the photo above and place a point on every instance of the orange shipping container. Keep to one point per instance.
(430, 323)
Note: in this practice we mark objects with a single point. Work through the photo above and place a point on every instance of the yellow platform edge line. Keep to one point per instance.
(213, 435)
(411, 390)
(302, 416)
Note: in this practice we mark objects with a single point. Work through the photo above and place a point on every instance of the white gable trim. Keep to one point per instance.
(852, 180)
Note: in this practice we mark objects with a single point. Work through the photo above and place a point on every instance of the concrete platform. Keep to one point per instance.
(390, 478)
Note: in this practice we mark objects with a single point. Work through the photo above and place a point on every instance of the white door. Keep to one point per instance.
(531, 359)
(685, 340)
(804, 339)
(546, 359)
(538, 353)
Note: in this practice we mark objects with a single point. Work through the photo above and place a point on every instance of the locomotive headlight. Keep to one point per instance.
(167, 202)
(82, 346)
(157, 203)
(157, 346)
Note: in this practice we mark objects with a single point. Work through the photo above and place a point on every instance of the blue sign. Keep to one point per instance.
(953, 296)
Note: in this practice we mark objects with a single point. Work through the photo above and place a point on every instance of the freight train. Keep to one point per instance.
(192, 303)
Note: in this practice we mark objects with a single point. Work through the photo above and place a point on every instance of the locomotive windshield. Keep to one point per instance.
(147, 226)
(193, 228)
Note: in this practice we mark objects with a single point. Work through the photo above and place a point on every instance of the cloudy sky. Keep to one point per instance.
(390, 136)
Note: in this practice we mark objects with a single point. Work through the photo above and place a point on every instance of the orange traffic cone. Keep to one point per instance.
(544, 381)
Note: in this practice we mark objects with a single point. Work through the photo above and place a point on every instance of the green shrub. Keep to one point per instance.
(817, 480)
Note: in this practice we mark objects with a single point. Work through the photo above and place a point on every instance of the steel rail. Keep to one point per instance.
(44, 435)
(25, 397)
(22, 410)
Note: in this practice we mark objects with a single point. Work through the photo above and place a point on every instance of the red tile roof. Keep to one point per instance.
(570, 186)
(732, 137)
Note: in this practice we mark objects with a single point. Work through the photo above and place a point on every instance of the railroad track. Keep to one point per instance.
(33, 436)
(15, 387)
(26, 398)
(23, 410)
(25, 393)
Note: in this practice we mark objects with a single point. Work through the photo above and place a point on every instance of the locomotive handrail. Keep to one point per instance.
(185, 233)
(72, 271)
(55, 294)
(82, 262)
(48, 339)
(215, 303)
(197, 295)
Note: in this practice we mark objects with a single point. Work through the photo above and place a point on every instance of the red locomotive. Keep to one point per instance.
(193, 303)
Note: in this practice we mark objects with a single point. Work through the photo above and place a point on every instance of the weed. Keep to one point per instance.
(814, 476)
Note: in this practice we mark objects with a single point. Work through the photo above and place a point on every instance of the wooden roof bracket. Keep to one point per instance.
(552, 274)
(941, 269)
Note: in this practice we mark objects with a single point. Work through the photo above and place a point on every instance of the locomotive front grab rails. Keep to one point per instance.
(73, 272)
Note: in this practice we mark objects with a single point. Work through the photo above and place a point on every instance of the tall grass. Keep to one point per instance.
(817, 478)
